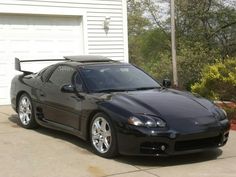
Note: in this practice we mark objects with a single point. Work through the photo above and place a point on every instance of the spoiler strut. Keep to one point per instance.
(18, 64)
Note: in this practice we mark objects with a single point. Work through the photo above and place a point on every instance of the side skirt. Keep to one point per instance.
(40, 119)
(59, 127)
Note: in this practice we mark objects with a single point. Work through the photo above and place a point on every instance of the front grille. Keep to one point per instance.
(198, 143)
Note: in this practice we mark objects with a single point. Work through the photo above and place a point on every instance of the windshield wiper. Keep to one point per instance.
(126, 90)
(147, 88)
(114, 90)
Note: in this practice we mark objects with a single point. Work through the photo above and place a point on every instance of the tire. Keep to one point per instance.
(103, 136)
(25, 111)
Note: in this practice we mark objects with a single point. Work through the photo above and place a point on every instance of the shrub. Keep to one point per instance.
(191, 59)
(218, 81)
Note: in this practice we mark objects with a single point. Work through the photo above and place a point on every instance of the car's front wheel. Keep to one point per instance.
(103, 136)
(26, 112)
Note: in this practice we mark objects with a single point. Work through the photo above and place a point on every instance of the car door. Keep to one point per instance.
(58, 106)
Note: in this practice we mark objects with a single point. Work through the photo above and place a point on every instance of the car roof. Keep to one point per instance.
(83, 60)
(88, 58)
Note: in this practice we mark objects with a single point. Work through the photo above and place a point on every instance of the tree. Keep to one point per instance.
(209, 22)
(137, 25)
(206, 32)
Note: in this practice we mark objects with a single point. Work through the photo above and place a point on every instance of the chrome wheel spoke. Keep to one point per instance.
(107, 134)
(106, 143)
(28, 111)
(97, 126)
(103, 126)
(100, 145)
(95, 136)
(27, 118)
(21, 108)
(21, 115)
(24, 118)
(27, 103)
(23, 102)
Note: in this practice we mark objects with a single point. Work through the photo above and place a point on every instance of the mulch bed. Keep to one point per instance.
(233, 125)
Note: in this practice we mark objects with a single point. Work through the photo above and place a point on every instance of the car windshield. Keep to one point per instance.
(116, 78)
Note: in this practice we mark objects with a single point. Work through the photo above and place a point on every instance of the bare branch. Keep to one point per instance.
(221, 28)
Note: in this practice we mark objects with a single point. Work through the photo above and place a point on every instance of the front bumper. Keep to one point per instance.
(156, 142)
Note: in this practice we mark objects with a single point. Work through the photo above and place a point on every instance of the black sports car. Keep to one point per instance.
(117, 107)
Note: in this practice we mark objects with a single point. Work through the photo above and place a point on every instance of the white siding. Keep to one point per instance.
(113, 45)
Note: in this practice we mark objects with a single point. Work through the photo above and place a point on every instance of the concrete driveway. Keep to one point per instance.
(49, 153)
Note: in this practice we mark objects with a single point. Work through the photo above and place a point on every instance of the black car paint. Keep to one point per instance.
(188, 117)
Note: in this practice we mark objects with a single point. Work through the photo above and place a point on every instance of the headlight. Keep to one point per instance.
(147, 121)
(135, 121)
(219, 113)
(161, 123)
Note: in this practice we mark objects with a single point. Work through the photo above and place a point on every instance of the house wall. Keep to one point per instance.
(113, 44)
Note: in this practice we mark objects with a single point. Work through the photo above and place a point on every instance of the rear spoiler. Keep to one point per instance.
(79, 58)
(18, 64)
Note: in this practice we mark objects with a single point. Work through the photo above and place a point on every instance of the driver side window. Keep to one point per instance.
(62, 75)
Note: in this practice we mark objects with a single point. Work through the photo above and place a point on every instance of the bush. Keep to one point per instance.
(191, 59)
(218, 81)
(231, 113)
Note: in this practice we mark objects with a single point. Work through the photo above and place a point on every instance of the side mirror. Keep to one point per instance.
(68, 88)
(166, 83)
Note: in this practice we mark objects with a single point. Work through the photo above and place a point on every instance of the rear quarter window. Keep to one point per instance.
(46, 72)
(62, 75)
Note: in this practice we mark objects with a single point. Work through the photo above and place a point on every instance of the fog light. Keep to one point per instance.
(172, 135)
(163, 147)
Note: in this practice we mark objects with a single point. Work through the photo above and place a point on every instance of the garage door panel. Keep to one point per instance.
(4, 45)
(3, 70)
(3, 94)
(35, 37)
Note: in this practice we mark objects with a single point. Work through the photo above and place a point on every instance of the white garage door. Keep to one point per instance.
(35, 37)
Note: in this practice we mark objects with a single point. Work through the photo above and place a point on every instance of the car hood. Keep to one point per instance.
(175, 107)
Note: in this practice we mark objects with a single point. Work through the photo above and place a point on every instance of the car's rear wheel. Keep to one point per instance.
(103, 136)
(26, 112)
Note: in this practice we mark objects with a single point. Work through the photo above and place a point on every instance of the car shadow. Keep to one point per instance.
(171, 160)
(57, 134)
(144, 161)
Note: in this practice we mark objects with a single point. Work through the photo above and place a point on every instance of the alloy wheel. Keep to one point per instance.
(25, 110)
(101, 135)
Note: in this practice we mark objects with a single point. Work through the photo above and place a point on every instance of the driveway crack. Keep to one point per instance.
(133, 171)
